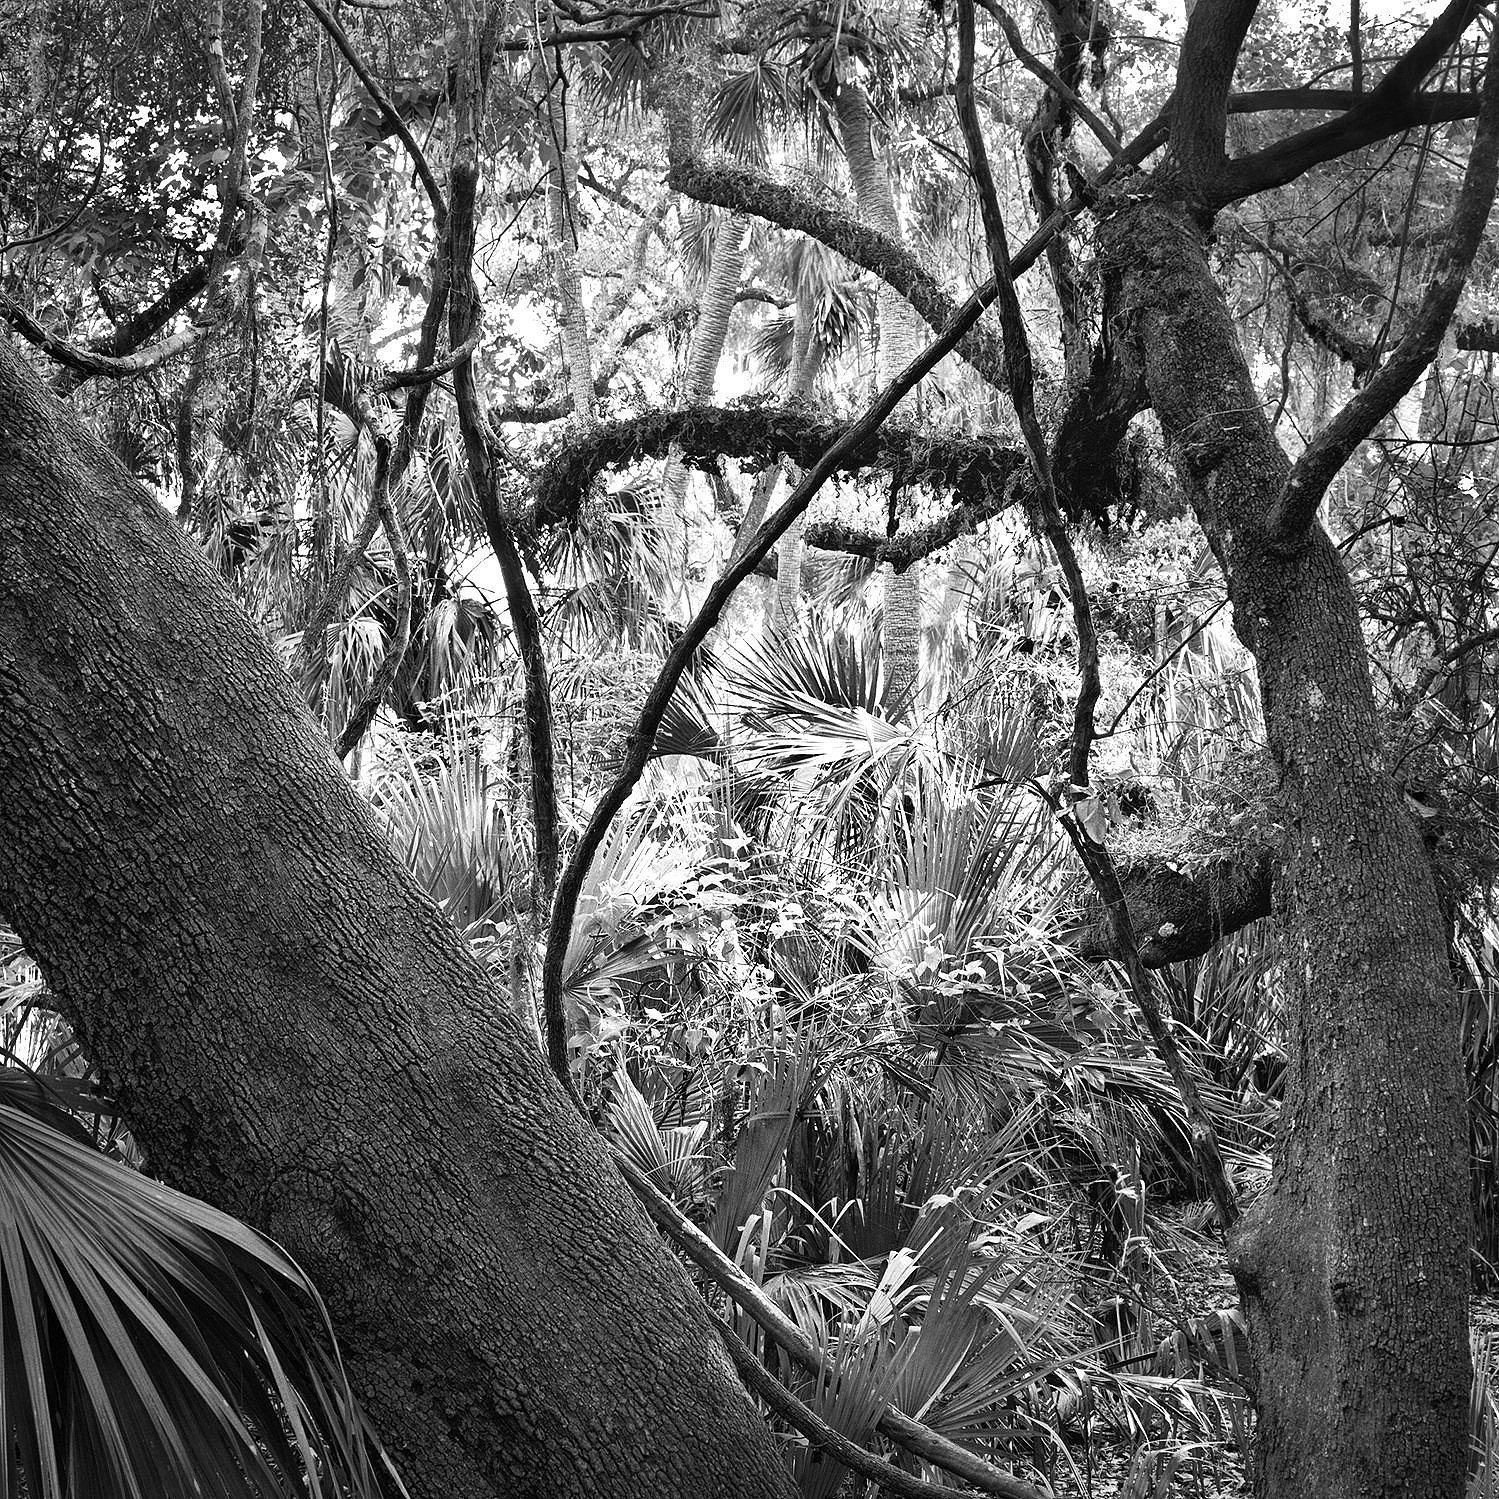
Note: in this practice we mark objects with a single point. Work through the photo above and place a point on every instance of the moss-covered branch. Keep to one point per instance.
(976, 471)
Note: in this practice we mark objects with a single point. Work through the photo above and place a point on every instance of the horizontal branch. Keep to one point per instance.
(1396, 104)
(977, 471)
(1177, 914)
(405, 379)
(85, 361)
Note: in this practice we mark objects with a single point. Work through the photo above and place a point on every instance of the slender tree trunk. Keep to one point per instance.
(711, 332)
(1353, 1264)
(791, 555)
(561, 151)
(901, 338)
(791, 551)
(296, 1033)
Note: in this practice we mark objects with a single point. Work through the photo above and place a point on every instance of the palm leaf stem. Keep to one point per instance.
(894, 1424)
(760, 1381)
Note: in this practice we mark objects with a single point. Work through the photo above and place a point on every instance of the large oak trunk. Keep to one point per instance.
(1353, 1265)
(297, 1034)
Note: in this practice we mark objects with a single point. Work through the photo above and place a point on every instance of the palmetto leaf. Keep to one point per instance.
(153, 1346)
(966, 869)
(673, 1158)
(448, 824)
(1483, 1421)
(775, 1098)
(745, 103)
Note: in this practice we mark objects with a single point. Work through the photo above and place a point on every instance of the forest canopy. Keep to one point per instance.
(770, 719)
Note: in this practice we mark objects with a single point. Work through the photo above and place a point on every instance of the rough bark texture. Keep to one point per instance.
(1353, 1264)
(297, 1034)
(709, 335)
(1180, 914)
(562, 210)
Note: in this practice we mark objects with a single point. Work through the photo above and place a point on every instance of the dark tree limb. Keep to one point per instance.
(1395, 104)
(1418, 346)
(976, 470)
(524, 620)
(400, 639)
(1177, 914)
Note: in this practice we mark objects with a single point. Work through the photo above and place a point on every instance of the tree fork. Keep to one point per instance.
(1353, 1264)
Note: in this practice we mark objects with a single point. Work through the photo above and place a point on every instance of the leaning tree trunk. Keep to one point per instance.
(297, 1034)
(1353, 1264)
(902, 335)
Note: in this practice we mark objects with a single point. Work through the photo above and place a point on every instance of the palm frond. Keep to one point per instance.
(154, 1346)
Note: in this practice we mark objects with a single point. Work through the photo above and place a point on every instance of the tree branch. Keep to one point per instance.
(399, 642)
(1296, 509)
(1051, 78)
(977, 470)
(524, 620)
(87, 363)
(745, 1294)
(1394, 105)
(742, 190)
(1210, 52)
(1176, 915)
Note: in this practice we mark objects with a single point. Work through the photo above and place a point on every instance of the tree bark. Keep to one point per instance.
(1353, 1264)
(560, 148)
(709, 335)
(296, 1034)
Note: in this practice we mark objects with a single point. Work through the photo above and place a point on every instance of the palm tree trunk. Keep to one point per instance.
(725, 268)
(561, 151)
(790, 556)
(901, 338)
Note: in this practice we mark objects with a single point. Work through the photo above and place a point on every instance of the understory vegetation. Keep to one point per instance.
(834, 981)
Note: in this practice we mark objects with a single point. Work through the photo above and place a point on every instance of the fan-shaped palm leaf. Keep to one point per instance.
(154, 1346)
